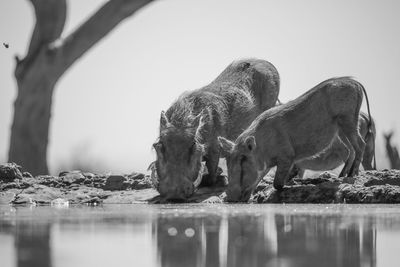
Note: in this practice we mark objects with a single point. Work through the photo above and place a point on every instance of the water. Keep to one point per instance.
(201, 235)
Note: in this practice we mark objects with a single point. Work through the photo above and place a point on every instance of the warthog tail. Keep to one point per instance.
(374, 156)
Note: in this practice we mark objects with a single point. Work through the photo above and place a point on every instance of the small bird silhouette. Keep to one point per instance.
(6, 45)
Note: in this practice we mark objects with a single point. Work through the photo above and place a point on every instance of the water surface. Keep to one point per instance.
(201, 235)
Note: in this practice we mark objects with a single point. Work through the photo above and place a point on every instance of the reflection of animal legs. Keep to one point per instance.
(212, 160)
(350, 159)
(283, 169)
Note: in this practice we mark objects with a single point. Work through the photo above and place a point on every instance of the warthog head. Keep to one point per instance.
(179, 156)
(242, 167)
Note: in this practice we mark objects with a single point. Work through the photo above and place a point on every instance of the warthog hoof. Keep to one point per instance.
(278, 185)
(207, 181)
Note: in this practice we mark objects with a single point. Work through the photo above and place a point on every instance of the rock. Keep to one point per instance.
(143, 184)
(383, 181)
(76, 187)
(59, 203)
(136, 176)
(9, 172)
(61, 174)
(368, 187)
(27, 175)
(212, 200)
(48, 180)
(22, 200)
(74, 177)
(89, 175)
(6, 197)
(115, 182)
(93, 201)
(326, 175)
(36, 195)
(129, 197)
(372, 194)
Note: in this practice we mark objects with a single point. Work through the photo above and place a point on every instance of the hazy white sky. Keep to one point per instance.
(109, 103)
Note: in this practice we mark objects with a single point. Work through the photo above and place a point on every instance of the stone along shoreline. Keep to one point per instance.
(76, 187)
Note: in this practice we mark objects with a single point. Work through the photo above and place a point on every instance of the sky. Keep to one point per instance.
(106, 108)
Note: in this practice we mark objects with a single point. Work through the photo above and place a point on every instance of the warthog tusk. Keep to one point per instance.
(155, 181)
(197, 182)
(151, 166)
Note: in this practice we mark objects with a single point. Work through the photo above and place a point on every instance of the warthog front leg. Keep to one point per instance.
(349, 128)
(283, 169)
(212, 160)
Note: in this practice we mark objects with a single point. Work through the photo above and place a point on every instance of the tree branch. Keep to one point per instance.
(50, 20)
(95, 28)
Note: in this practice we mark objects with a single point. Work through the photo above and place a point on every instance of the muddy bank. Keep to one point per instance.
(76, 187)
(369, 187)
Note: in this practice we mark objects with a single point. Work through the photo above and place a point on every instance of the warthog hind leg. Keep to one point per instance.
(368, 153)
(359, 155)
(350, 159)
(350, 130)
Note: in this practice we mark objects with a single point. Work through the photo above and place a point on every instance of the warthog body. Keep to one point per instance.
(337, 153)
(293, 132)
(190, 127)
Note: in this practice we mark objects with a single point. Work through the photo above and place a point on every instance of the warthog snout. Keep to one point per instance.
(174, 191)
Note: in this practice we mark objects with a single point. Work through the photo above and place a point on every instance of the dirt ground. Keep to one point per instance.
(76, 187)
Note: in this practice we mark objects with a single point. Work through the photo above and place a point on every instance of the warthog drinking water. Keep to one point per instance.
(337, 153)
(190, 127)
(292, 132)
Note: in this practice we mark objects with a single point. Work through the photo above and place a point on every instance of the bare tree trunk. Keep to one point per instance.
(46, 61)
(392, 152)
(30, 128)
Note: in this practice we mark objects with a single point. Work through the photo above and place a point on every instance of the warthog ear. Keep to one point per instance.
(250, 142)
(163, 121)
(225, 145)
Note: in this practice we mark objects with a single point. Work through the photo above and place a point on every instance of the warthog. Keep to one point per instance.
(337, 153)
(190, 127)
(293, 132)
